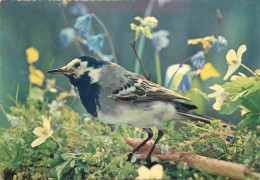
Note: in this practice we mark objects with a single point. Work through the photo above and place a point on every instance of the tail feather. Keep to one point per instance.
(197, 117)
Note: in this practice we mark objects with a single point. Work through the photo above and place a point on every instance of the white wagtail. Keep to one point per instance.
(114, 95)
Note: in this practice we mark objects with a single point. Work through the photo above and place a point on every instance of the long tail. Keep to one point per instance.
(191, 115)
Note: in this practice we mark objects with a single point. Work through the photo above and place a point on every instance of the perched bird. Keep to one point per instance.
(114, 95)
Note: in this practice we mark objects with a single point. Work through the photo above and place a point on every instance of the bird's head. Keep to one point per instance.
(79, 68)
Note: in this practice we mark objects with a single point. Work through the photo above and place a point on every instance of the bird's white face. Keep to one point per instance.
(76, 68)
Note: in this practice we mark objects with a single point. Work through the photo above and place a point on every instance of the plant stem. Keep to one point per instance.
(139, 60)
(247, 68)
(158, 68)
(140, 50)
(107, 35)
(56, 141)
(17, 93)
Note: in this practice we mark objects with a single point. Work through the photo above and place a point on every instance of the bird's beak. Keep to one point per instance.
(57, 71)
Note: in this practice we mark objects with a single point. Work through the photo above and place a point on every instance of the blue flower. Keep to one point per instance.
(220, 43)
(198, 60)
(95, 42)
(78, 9)
(160, 39)
(185, 83)
(55, 127)
(67, 36)
(82, 25)
(107, 57)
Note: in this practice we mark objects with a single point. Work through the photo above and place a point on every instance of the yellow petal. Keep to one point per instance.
(208, 71)
(32, 55)
(194, 41)
(36, 76)
(157, 171)
(133, 26)
(147, 32)
(144, 173)
(62, 95)
(231, 56)
(150, 22)
(177, 80)
(46, 123)
(138, 18)
(39, 141)
(38, 131)
(240, 52)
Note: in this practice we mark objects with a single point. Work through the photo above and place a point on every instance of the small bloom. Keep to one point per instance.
(78, 9)
(15, 121)
(107, 57)
(145, 27)
(165, 149)
(219, 95)
(36, 76)
(95, 42)
(208, 71)
(50, 83)
(206, 41)
(43, 133)
(198, 60)
(160, 39)
(156, 172)
(82, 25)
(185, 83)
(55, 127)
(234, 60)
(6, 138)
(172, 77)
(67, 36)
(220, 43)
(149, 21)
(32, 55)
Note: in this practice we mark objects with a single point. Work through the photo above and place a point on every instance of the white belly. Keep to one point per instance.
(140, 117)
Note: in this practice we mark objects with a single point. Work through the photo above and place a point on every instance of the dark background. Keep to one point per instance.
(37, 24)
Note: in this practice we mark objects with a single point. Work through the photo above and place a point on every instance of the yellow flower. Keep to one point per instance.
(36, 76)
(145, 27)
(156, 172)
(234, 60)
(208, 71)
(150, 22)
(50, 85)
(206, 41)
(219, 95)
(61, 96)
(32, 55)
(43, 133)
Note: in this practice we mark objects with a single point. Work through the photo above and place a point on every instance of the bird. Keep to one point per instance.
(114, 95)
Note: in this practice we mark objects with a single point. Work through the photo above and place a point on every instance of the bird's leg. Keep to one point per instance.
(150, 135)
(148, 158)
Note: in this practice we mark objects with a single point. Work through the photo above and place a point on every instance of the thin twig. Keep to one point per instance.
(107, 35)
(139, 60)
(75, 42)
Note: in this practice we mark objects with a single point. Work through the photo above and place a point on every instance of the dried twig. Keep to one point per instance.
(107, 35)
(139, 60)
(202, 163)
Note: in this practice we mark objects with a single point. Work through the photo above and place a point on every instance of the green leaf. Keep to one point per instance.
(60, 168)
(252, 102)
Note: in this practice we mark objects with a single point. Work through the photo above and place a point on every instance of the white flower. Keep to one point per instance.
(160, 39)
(165, 149)
(219, 95)
(234, 60)
(156, 172)
(43, 133)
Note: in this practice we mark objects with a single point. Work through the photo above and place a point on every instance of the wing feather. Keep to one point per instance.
(139, 89)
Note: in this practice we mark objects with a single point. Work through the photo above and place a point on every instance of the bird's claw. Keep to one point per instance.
(129, 157)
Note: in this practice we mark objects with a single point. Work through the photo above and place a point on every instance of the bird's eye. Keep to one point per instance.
(77, 64)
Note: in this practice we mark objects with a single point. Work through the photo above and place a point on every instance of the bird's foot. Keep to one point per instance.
(150, 163)
(129, 157)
